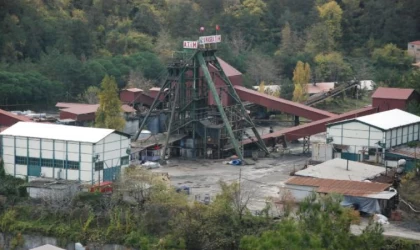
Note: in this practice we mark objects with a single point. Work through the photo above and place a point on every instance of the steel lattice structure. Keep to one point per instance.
(184, 98)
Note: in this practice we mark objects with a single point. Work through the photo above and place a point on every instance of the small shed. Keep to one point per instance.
(368, 197)
(52, 189)
(393, 98)
(130, 95)
(381, 130)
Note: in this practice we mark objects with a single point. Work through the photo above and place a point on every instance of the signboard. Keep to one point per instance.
(210, 39)
(190, 44)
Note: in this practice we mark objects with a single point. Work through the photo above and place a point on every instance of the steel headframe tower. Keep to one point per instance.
(184, 98)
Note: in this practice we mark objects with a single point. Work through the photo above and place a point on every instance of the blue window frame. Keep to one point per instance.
(21, 160)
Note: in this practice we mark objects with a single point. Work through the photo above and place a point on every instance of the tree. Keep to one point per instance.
(391, 62)
(301, 77)
(91, 95)
(109, 114)
(331, 67)
(261, 68)
(320, 223)
(330, 14)
(261, 88)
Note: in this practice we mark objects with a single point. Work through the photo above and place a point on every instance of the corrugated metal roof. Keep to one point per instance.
(134, 90)
(344, 187)
(336, 169)
(57, 132)
(127, 109)
(17, 117)
(69, 104)
(320, 87)
(390, 119)
(415, 42)
(82, 109)
(228, 69)
(392, 93)
(47, 247)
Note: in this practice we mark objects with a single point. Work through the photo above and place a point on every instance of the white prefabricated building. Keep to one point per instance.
(385, 130)
(88, 155)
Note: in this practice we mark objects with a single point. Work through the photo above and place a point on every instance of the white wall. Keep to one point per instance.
(322, 152)
(355, 133)
(402, 135)
(110, 149)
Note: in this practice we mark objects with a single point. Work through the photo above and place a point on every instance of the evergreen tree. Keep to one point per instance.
(109, 114)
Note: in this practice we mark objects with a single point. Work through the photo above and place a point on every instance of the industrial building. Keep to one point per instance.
(393, 98)
(382, 130)
(88, 155)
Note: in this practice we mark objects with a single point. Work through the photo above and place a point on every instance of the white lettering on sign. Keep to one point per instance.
(210, 39)
(190, 44)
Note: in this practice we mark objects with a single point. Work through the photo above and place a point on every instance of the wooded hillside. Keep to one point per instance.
(55, 49)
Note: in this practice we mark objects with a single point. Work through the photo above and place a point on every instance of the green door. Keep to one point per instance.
(350, 156)
(110, 174)
(34, 170)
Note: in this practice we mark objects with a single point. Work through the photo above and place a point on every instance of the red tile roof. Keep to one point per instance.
(17, 117)
(344, 187)
(415, 42)
(392, 93)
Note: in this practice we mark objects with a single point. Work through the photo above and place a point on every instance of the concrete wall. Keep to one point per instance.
(299, 193)
(33, 241)
(322, 152)
(110, 149)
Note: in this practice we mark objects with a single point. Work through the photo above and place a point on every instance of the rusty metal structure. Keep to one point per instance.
(208, 131)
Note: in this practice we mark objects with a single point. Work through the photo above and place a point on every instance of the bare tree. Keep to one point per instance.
(137, 80)
(237, 43)
(90, 96)
(165, 45)
(261, 68)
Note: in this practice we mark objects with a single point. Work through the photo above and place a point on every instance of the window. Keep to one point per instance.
(99, 165)
(47, 163)
(21, 160)
(58, 163)
(124, 160)
(34, 161)
(73, 165)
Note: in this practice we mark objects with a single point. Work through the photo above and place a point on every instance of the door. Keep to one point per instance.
(350, 156)
(34, 170)
(111, 174)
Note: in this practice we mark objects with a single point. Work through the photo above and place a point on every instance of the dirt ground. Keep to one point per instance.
(258, 181)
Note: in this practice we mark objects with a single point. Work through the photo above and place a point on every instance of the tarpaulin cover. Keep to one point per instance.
(367, 205)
